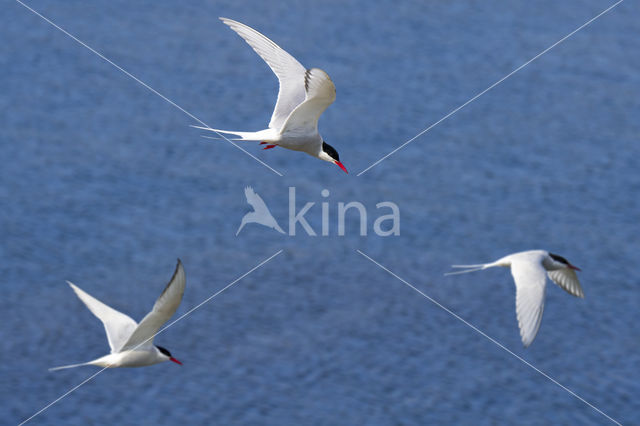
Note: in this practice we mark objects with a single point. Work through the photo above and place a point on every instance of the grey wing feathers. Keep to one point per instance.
(163, 309)
(318, 84)
(530, 280)
(320, 93)
(117, 325)
(568, 280)
(171, 296)
(289, 71)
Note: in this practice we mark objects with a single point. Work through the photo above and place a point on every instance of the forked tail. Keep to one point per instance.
(62, 367)
(262, 135)
(470, 268)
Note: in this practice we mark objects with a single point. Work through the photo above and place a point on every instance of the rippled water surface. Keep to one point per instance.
(103, 183)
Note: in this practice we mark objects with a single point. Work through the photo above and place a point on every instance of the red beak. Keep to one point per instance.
(342, 167)
(175, 360)
(575, 268)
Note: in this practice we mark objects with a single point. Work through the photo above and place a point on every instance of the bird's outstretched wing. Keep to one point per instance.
(319, 94)
(567, 279)
(163, 309)
(255, 200)
(117, 325)
(290, 73)
(530, 279)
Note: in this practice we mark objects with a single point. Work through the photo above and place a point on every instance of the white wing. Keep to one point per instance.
(163, 309)
(530, 279)
(320, 93)
(568, 280)
(290, 73)
(117, 325)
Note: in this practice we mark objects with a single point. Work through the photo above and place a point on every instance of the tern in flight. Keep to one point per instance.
(530, 270)
(131, 343)
(260, 213)
(303, 96)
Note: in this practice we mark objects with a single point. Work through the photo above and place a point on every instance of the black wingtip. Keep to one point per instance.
(307, 76)
(179, 266)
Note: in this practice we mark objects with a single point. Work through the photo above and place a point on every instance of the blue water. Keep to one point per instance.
(104, 184)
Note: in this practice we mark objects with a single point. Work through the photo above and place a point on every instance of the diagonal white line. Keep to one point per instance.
(145, 85)
(494, 341)
(491, 87)
(152, 337)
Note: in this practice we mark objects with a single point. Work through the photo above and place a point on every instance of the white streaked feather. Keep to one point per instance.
(320, 93)
(64, 367)
(290, 72)
(163, 309)
(530, 280)
(117, 325)
(567, 279)
(261, 135)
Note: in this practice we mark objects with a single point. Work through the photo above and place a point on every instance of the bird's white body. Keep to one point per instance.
(128, 358)
(303, 96)
(530, 270)
(295, 141)
(132, 343)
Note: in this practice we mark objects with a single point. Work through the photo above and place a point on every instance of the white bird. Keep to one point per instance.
(132, 344)
(260, 213)
(530, 270)
(303, 96)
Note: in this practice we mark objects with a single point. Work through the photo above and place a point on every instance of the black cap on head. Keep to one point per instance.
(164, 351)
(330, 151)
(559, 259)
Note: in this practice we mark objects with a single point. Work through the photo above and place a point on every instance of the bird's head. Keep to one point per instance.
(329, 154)
(167, 354)
(561, 262)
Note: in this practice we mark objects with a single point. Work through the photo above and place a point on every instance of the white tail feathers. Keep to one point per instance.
(220, 139)
(69, 366)
(469, 268)
(262, 135)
